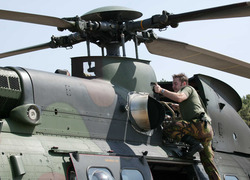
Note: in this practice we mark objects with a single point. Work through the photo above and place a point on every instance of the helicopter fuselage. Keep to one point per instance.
(53, 124)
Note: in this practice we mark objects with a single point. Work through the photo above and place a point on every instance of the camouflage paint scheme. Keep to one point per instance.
(87, 115)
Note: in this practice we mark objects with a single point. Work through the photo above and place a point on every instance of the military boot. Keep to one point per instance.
(195, 145)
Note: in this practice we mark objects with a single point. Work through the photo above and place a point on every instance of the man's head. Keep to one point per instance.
(179, 81)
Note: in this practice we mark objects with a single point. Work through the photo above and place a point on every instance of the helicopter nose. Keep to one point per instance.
(10, 91)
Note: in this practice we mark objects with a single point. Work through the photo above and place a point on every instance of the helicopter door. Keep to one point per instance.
(105, 167)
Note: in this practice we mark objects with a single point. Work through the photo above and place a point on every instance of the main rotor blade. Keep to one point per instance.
(36, 19)
(228, 11)
(25, 50)
(196, 55)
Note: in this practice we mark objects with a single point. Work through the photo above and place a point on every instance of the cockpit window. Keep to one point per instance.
(230, 177)
(131, 174)
(99, 174)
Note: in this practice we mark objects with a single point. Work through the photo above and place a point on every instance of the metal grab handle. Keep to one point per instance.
(167, 105)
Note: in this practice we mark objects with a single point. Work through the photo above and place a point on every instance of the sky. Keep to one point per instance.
(225, 36)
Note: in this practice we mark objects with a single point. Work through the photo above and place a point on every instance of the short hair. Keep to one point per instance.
(182, 77)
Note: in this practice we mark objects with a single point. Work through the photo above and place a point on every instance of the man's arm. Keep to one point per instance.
(177, 97)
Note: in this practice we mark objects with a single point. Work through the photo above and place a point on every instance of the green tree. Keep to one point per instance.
(245, 110)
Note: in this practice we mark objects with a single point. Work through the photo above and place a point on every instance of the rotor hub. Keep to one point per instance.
(114, 13)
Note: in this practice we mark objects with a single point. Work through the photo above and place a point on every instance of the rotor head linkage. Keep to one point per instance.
(156, 21)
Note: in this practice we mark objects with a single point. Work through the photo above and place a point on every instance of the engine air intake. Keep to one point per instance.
(146, 112)
(10, 90)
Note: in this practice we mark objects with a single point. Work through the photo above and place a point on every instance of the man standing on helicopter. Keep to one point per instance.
(195, 129)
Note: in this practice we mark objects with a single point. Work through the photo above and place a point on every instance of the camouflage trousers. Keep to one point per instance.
(177, 129)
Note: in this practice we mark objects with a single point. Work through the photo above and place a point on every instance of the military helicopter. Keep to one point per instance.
(104, 121)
